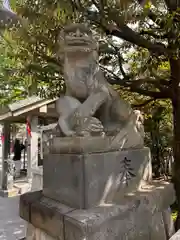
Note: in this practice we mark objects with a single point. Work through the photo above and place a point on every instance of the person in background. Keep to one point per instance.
(17, 149)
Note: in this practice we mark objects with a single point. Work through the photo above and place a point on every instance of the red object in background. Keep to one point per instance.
(2, 138)
(28, 128)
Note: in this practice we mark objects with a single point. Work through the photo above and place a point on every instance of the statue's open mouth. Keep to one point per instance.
(78, 42)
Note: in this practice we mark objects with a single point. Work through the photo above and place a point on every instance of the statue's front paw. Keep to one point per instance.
(84, 134)
(70, 133)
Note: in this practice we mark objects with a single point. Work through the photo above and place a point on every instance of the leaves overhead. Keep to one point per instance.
(33, 46)
(148, 28)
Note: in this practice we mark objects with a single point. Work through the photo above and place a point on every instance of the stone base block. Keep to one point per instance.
(176, 236)
(87, 180)
(34, 233)
(139, 216)
(169, 223)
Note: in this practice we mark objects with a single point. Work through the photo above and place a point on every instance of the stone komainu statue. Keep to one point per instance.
(90, 106)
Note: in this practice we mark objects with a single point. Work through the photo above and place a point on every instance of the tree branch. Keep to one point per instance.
(116, 78)
(120, 60)
(134, 86)
(122, 31)
(153, 94)
(157, 82)
(156, 95)
(129, 35)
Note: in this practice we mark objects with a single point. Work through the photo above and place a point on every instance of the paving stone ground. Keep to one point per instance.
(12, 227)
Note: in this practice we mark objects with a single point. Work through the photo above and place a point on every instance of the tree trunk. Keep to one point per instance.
(175, 77)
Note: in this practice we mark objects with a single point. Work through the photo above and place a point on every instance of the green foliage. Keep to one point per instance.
(158, 133)
(37, 50)
(11, 85)
(174, 215)
(33, 47)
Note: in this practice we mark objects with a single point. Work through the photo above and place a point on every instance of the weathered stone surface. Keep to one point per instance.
(82, 145)
(168, 222)
(138, 218)
(43, 213)
(48, 216)
(90, 106)
(37, 185)
(98, 223)
(157, 196)
(157, 227)
(108, 224)
(75, 118)
(37, 234)
(84, 181)
(134, 222)
(25, 203)
(176, 236)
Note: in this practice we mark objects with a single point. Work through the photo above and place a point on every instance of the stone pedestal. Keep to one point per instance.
(138, 216)
(104, 196)
(176, 236)
(86, 180)
(36, 185)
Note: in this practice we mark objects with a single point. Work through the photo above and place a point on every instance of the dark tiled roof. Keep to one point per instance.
(23, 103)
